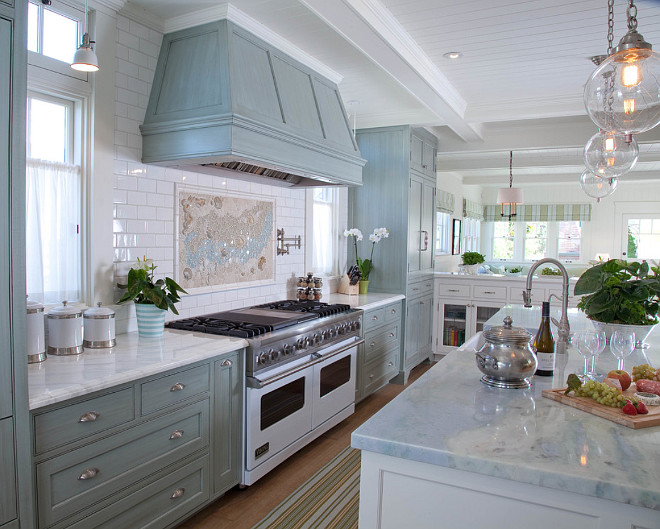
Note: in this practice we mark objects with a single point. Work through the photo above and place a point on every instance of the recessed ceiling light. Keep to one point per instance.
(453, 55)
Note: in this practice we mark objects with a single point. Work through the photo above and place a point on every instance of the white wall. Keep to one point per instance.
(144, 195)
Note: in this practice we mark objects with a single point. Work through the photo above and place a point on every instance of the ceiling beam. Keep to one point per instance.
(374, 31)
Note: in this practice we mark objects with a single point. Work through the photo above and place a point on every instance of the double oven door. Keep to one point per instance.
(290, 403)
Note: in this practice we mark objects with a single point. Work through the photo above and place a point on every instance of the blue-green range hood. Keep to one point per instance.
(224, 99)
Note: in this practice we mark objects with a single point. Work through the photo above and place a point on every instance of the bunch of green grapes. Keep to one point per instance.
(644, 371)
(601, 393)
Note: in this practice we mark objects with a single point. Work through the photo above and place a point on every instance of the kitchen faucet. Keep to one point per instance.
(563, 328)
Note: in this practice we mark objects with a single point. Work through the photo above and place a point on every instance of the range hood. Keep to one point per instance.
(223, 99)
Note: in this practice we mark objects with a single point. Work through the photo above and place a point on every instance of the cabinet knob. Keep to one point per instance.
(390, 364)
(372, 375)
(393, 311)
(391, 335)
(372, 344)
(421, 303)
(374, 318)
(178, 493)
(176, 434)
(90, 416)
(178, 386)
(89, 474)
(226, 363)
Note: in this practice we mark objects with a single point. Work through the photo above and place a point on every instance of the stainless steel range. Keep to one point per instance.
(300, 369)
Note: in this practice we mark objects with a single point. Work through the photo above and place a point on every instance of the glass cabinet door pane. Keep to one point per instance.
(454, 323)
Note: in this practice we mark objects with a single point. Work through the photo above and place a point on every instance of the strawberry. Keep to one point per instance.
(629, 409)
(641, 407)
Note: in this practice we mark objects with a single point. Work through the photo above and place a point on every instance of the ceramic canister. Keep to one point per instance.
(36, 341)
(65, 330)
(99, 327)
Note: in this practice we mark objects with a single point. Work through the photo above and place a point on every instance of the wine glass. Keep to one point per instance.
(600, 343)
(586, 343)
(622, 344)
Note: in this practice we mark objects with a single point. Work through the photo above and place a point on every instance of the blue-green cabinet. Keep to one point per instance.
(15, 486)
(398, 193)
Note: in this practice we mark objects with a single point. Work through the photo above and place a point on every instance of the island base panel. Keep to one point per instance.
(397, 493)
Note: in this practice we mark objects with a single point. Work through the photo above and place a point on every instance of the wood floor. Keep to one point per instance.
(242, 509)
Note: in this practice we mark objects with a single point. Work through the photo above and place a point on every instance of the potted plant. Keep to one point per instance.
(152, 297)
(619, 293)
(472, 262)
(366, 265)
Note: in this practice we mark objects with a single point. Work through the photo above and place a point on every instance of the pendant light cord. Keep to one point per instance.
(510, 169)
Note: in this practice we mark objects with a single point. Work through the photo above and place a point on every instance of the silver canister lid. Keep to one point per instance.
(64, 311)
(99, 313)
(33, 307)
(507, 333)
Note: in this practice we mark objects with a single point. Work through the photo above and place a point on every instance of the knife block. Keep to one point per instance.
(346, 288)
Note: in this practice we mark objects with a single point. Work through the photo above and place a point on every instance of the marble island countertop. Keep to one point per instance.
(450, 419)
(59, 378)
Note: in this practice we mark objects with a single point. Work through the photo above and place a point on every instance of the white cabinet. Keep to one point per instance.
(458, 320)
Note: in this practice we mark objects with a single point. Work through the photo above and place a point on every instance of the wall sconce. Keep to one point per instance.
(283, 246)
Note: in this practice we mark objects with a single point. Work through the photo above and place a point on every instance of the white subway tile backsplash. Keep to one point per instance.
(138, 29)
(130, 41)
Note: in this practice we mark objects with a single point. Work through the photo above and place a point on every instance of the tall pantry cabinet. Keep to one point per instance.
(398, 193)
(15, 481)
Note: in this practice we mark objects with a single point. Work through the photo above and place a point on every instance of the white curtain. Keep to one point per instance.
(53, 249)
(323, 233)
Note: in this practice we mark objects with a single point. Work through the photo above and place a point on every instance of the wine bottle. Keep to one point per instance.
(545, 344)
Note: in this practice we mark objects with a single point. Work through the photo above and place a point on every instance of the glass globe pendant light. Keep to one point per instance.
(623, 93)
(597, 187)
(610, 155)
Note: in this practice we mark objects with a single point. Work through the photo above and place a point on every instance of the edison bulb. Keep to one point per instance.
(623, 93)
(597, 187)
(610, 155)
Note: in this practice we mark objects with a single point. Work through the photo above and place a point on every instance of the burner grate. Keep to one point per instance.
(316, 307)
(222, 327)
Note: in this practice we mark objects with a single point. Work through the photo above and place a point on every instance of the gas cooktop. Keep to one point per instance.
(260, 319)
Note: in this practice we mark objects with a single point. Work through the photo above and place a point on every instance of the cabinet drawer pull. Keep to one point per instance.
(372, 344)
(226, 363)
(374, 318)
(488, 292)
(415, 289)
(391, 335)
(372, 375)
(178, 493)
(89, 473)
(453, 290)
(390, 364)
(176, 434)
(421, 303)
(90, 416)
(178, 386)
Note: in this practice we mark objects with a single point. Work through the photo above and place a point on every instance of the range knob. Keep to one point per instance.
(287, 349)
(262, 358)
(357, 325)
(342, 329)
(301, 343)
(326, 335)
(273, 354)
(333, 332)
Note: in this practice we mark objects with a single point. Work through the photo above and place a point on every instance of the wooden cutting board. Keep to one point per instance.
(612, 414)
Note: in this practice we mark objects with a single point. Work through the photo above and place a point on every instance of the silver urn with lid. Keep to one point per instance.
(507, 358)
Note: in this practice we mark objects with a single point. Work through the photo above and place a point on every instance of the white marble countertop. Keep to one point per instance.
(449, 418)
(59, 378)
(364, 301)
(488, 277)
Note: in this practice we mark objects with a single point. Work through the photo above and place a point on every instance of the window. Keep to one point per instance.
(442, 233)
(53, 201)
(643, 238)
(569, 240)
(536, 240)
(325, 207)
(51, 33)
(471, 235)
(503, 240)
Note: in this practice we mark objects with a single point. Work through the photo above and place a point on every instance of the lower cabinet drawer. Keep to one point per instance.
(170, 389)
(375, 342)
(377, 373)
(7, 474)
(76, 421)
(453, 290)
(490, 292)
(373, 318)
(70, 482)
(158, 504)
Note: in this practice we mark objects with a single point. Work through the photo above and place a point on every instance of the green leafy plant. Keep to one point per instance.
(618, 291)
(472, 258)
(513, 270)
(547, 271)
(143, 289)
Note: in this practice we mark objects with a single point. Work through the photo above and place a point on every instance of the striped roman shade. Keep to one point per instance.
(444, 201)
(540, 212)
(473, 210)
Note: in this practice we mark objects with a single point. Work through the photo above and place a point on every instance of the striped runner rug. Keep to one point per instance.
(327, 500)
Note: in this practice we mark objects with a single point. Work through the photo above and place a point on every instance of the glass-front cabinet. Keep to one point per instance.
(458, 321)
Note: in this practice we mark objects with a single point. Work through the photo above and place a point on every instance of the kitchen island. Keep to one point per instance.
(452, 452)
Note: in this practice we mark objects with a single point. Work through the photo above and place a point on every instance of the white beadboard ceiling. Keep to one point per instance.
(518, 85)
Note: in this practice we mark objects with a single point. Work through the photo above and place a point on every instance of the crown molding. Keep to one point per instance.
(146, 18)
(114, 5)
(238, 17)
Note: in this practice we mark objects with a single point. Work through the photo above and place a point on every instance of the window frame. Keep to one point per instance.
(637, 216)
(339, 219)
(442, 243)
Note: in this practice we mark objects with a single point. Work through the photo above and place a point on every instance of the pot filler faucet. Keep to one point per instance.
(563, 328)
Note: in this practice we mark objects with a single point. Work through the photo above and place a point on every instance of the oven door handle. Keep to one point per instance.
(257, 383)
